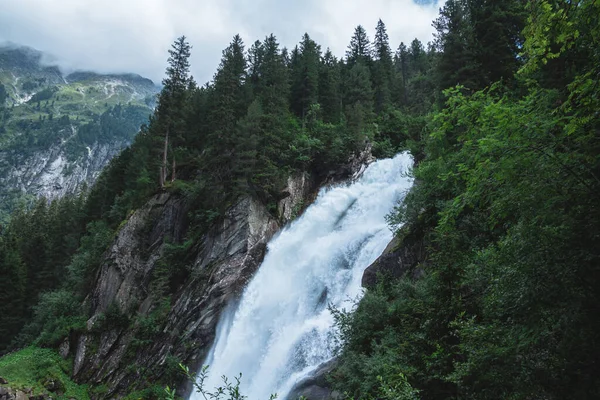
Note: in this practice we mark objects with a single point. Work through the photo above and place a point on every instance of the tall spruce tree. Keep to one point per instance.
(275, 78)
(228, 103)
(305, 76)
(497, 27)
(269, 119)
(382, 71)
(329, 88)
(401, 70)
(359, 49)
(172, 101)
(255, 60)
(13, 299)
(455, 42)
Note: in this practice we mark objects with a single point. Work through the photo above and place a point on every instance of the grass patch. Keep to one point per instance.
(30, 367)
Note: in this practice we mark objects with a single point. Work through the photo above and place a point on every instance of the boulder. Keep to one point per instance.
(403, 255)
(316, 386)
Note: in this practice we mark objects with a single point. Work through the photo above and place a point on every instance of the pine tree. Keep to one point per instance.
(401, 69)
(455, 42)
(266, 122)
(497, 27)
(359, 49)
(228, 102)
(329, 88)
(382, 68)
(255, 60)
(13, 299)
(275, 85)
(358, 87)
(170, 111)
(305, 76)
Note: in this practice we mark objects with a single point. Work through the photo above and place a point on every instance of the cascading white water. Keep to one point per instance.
(281, 329)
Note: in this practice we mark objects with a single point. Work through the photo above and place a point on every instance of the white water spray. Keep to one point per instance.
(281, 330)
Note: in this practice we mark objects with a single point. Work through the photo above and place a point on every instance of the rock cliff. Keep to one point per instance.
(144, 339)
(224, 259)
(49, 172)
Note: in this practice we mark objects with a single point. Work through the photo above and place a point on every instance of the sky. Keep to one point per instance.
(119, 36)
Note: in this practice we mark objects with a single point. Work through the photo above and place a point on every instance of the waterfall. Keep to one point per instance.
(281, 329)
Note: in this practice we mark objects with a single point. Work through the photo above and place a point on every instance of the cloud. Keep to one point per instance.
(134, 35)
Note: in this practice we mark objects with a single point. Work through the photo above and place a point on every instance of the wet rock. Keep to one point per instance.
(39, 397)
(354, 167)
(316, 387)
(403, 255)
(298, 189)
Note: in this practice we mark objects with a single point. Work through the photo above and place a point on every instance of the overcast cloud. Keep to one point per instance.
(134, 35)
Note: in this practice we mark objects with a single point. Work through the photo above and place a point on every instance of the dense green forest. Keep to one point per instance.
(267, 113)
(501, 115)
(506, 203)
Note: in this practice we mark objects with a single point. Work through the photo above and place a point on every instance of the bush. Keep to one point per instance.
(33, 366)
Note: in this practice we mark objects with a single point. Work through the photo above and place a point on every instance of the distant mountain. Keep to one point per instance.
(57, 132)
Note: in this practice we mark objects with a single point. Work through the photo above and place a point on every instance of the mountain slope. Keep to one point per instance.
(58, 132)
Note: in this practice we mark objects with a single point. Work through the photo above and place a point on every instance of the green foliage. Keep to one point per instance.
(44, 94)
(114, 318)
(56, 315)
(32, 366)
(229, 391)
(507, 185)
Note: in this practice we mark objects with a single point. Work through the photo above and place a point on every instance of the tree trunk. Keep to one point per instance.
(163, 170)
(173, 170)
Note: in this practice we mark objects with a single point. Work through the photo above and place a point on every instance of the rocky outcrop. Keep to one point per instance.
(225, 258)
(316, 387)
(405, 254)
(354, 167)
(8, 393)
(50, 172)
(295, 195)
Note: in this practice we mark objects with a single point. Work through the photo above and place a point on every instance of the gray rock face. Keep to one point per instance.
(298, 190)
(7, 393)
(354, 167)
(402, 256)
(316, 387)
(224, 259)
(50, 174)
